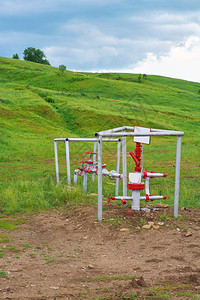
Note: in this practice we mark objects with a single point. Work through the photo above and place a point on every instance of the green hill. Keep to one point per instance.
(38, 104)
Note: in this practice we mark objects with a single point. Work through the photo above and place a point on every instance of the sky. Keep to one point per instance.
(159, 37)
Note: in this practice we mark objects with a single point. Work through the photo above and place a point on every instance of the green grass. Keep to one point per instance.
(37, 104)
(3, 274)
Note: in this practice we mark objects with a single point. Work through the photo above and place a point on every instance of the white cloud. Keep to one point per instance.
(183, 62)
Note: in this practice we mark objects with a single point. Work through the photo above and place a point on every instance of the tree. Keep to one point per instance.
(35, 55)
(15, 56)
(62, 68)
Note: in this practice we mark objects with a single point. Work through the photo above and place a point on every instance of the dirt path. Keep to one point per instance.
(67, 254)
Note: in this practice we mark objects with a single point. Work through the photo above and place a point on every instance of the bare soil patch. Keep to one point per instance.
(67, 254)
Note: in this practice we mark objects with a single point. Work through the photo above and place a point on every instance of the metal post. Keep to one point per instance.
(124, 167)
(117, 168)
(177, 176)
(100, 178)
(147, 186)
(68, 162)
(56, 162)
(85, 182)
(75, 177)
(135, 200)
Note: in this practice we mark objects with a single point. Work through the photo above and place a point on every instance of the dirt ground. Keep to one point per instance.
(67, 254)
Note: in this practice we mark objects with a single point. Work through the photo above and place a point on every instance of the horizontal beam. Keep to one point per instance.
(154, 133)
(85, 140)
(112, 130)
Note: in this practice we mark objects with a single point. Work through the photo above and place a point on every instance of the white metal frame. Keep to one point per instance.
(127, 131)
(95, 140)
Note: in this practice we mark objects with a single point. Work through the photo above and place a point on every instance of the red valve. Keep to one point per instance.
(147, 198)
(137, 162)
(137, 157)
(81, 169)
(123, 201)
(103, 166)
(145, 174)
(88, 171)
(110, 198)
(91, 153)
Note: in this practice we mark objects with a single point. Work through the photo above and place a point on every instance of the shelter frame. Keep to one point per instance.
(127, 131)
(67, 151)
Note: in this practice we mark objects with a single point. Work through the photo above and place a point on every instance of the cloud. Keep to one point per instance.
(99, 34)
(183, 61)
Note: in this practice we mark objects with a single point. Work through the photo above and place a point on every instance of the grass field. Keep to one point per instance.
(38, 104)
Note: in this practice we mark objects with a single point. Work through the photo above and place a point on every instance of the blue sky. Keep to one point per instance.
(144, 36)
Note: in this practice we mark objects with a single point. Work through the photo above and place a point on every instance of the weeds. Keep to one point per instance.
(3, 274)
(36, 195)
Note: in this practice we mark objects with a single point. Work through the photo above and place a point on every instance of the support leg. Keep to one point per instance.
(177, 176)
(56, 162)
(100, 178)
(85, 182)
(68, 162)
(135, 200)
(117, 168)
(124, 166)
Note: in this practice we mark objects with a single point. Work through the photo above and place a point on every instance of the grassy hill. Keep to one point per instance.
(38, 104)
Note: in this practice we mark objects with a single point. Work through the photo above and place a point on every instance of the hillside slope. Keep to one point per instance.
(38, 103)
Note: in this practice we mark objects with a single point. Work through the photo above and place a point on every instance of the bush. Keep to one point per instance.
(15, 56)
(62, 68)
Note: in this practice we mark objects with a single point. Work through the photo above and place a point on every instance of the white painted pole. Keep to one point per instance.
(75, 177)
(124, 166)
(85, 182)
(68, 162)
(56, 161)
(155, 133)
(147, 186)
(100, 178)
(117, 168)
(177, 176)
(135, 200)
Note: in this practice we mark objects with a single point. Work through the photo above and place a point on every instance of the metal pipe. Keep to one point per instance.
(157, 133)
(85, 182)
(100, 178)
(68, 162)
(147, 186)
(111, 130)
(124, 166)
(177, 176)
(56, 161)
(87, 140)
(61, 139)
(117, 168)
(135, 200)
(141, 198)
(75, 176)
